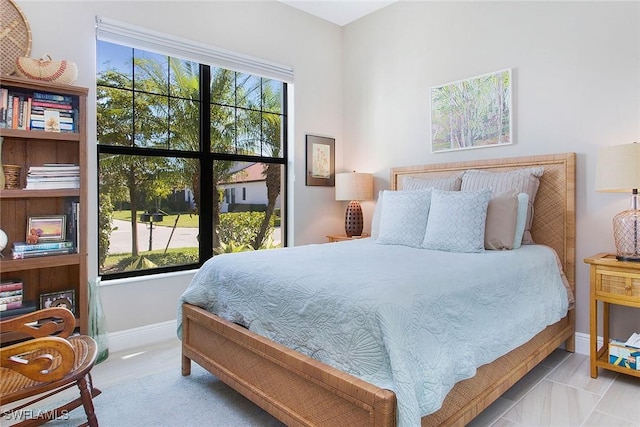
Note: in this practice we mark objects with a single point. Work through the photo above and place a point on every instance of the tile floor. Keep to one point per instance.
(558, 392)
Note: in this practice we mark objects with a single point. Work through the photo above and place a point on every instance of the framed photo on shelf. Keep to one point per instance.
(48, 228)
(320, 161)
(65, 299)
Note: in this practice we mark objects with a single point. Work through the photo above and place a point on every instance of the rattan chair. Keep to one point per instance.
(49, 361)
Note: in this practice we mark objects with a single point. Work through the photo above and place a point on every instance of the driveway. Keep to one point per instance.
(120, 241)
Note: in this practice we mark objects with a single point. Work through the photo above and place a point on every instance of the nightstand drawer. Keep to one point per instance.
(618, 284)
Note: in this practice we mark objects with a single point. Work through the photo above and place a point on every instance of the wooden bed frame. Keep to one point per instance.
(300, 391)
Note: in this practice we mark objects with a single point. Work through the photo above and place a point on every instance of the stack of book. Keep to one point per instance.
(52, 112)
(40, 111)
(23, 250)
(53, 175)
(11, 299)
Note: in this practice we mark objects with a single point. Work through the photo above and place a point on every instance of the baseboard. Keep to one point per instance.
(582, 343)
(144, 335)
(152, 334)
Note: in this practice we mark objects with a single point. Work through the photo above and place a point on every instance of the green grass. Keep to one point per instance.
(185, 221)
(176, 256)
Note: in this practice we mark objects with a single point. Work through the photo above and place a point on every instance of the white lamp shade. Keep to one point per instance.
(618, 168)
(354, 186)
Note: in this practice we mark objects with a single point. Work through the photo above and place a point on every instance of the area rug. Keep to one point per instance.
(169, 399)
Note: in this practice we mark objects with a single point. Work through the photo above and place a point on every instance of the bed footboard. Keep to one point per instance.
(296, 389)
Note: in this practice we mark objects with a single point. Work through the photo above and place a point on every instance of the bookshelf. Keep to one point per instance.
(27, 147)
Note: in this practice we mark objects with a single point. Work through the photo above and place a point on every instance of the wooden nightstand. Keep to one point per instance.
(341, 237)
(612, 282)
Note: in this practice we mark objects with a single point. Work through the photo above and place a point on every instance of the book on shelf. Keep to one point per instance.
(10, 285)
(48, 167)
(4, 97)
(40, 253)
(51, 122)
(41, 115)
(73, 209)
(6, 294)
(10, 305)
(56, 185)
(53, 178)
(26, 247)
(25, 307)
(50, 105)
(53, 97)
(11, 299)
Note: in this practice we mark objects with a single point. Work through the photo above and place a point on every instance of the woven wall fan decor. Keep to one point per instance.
(15, 36)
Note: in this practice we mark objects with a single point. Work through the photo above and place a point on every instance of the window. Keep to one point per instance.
(175, 140)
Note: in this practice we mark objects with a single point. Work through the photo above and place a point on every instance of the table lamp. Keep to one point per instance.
(354, 186)
(618, 170)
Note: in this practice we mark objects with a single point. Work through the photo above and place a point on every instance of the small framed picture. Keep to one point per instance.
(65, 299)
(47, 228)
(320, 161)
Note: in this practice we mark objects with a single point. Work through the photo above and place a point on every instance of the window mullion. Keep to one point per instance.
(206, 165)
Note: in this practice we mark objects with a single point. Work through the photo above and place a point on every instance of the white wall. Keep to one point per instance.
(268, 30)
(576, 72)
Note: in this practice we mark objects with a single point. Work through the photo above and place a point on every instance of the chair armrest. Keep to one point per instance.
(35, 358)
(42, 323)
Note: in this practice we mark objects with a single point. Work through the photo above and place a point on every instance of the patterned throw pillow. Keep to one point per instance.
(457, 221)
(451, 183)
(403, 217)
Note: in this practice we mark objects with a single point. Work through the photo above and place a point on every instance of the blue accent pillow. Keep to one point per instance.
(403, 217)
(457, 221)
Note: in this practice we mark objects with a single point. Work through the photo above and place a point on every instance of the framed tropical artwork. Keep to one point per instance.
(472, 113)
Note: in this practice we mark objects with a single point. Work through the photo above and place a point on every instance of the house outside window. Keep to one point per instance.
(175, 139)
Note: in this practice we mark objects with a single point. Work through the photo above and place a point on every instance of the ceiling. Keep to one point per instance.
(340, 12)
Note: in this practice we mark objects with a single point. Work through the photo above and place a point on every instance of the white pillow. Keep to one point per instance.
(375, 219)
(403, 217)
(452, 182)
(457, 221)
(521, 219)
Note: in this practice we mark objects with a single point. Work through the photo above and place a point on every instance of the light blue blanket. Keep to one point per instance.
(414, 321)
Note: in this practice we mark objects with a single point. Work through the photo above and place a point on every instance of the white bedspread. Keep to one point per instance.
(414, 321)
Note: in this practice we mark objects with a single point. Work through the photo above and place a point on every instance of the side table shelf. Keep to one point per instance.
(612, 282)
(340, 237)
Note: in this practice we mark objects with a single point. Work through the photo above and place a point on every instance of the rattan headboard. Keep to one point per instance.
(554, 208)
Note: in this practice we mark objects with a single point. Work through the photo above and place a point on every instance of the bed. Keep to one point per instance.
(300, 390)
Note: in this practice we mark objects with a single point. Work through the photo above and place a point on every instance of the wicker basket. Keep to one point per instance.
(11, 176)
(47, 70)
